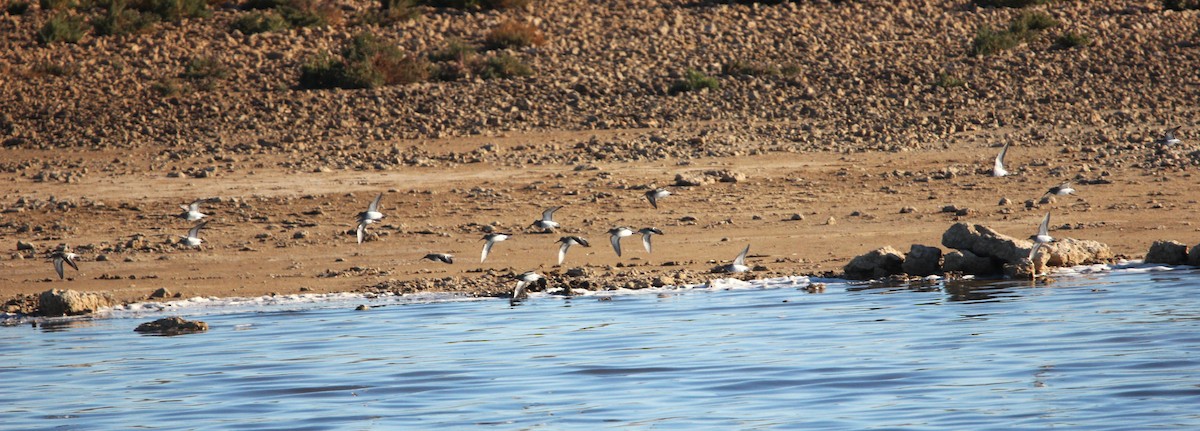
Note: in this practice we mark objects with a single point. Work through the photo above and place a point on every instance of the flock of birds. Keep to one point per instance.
(191, 212)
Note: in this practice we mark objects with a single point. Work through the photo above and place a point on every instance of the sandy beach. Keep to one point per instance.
(864, 146)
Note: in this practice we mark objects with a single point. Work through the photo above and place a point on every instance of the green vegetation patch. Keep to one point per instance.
(1011, 3)
(693, 80)
(1023, 28)
(513, 34)
(62, 27)
(367, 62)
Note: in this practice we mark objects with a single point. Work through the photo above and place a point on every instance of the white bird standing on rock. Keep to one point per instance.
(191, 212)
(193, 237)
(998, 169)
(523, 282)
(646, 233)
(60, 256)
(547, 223)
(739, 263)
(614, 236)
(1043, 236)
(371, 215)
(492, 239)
(567, 242)
(654, 195)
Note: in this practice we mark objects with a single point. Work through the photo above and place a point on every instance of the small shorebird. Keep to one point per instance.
(492, 239)
(1043, 236)
(60, 256)
(193, 237)
(440, 257)
(523, 282)
(567, 242)
(739, 263)
(654, 195)
(371, 215)
(191, 212)
(998, 169)
(547, 223)
(614, 236)
(1169, 138)
(1060, 190)
(646, 233)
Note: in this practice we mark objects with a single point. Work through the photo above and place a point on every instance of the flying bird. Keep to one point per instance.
(739, 263)
(60, 256)
(191, 212)
(654, 195)
(1169, 138)
(492, 239)
(371, 215)
(1060, 190)
(567, 242)
(547, 223)
(646, 233)
(1043, 236)
(614, 236)
(998, 169)
(523, 282)
(440, 257)
(193, 237)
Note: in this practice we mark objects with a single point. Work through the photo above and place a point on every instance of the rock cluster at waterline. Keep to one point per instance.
(977, 250)
(172, 326)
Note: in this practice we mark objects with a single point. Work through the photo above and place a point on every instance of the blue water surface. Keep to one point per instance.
(1090, 352)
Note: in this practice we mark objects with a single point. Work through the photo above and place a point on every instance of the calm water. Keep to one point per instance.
(1115, 350)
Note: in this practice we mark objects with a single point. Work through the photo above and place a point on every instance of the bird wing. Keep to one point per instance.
(999, 166)
(741, 257)
(58, 261)
(646, 240)
(520, 290)
(1033, 250)
(374, 207)
(487, 248)
(1044, 228)
(562, 251)
(548, 215)
(650, 197)
(194, 232)
(448, 259)
(194, 206)
(70, 262)
(616, 243)
(361, 231)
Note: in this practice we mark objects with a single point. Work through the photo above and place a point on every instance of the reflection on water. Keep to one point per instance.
(1115, 351)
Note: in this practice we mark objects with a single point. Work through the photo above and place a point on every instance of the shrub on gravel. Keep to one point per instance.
(174, 10)
(119, 19)
(367, 62)
(397, 10)
(310, 13)
(204, 72)
(1024, 28)
(167, 87)
(455, 61)
(693, 80)
(16, 7)
(746, 68)
(1028, 23)
(1181, 4)
(62, 27)
(1071, 40)
(513, 34)
(56, 4)
(503, 66)
(259, 22)
(946, 80)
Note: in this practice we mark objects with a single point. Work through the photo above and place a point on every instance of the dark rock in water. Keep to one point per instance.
(1194, 256)
(71, 303)
(922, 260)
(1024, 270)
(1167, 252)
(969, 263)
(362, 307)
(877, 263)
(172, 326)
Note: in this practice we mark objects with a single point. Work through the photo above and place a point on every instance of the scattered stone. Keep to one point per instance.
(985, 242)
(830, 221)
(907, 210)
(58, 302)
(877, 263)
(1005, 202)
(162, 292)
(966, 262)
(169, 326)
(23, 246)
(922, 260)
(362, 307)
(1167, 253)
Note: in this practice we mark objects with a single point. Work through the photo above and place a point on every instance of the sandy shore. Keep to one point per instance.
(820, 168)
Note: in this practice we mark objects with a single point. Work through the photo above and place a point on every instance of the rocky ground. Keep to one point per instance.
(876, 122)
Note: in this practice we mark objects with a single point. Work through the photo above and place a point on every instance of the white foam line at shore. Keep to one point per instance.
(207, 306)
